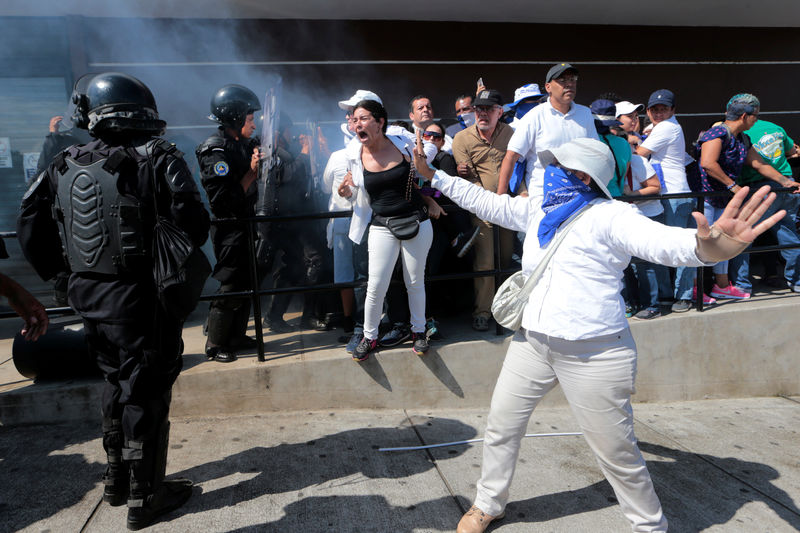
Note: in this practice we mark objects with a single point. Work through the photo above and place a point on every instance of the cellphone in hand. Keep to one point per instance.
(480, 82)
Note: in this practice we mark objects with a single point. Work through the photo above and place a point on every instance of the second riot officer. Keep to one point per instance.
(229, 162)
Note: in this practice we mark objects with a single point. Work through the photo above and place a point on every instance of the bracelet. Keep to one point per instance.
(731, 186)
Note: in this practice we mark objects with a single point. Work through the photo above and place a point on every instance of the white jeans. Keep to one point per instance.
(383, 251)
(597, 376)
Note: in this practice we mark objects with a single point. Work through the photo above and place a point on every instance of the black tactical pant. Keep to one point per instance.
(141, 360)
(228, 317)
(302, 264)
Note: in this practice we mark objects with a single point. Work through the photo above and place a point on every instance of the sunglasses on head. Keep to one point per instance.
(431, 134)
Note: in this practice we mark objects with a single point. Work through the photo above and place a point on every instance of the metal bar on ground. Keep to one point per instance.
(470, 441)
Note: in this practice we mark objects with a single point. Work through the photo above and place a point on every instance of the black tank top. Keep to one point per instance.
(387, 192)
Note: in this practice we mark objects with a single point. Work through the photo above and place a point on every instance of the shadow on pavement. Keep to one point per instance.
(350, 514)
(44, 469)
(694, 494)
(348, 458)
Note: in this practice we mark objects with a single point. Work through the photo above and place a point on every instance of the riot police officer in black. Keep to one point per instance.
(229, 162)
(96, 203)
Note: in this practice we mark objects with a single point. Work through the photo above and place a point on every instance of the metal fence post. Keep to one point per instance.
(700, 279)
(498, 329)
(254, 288)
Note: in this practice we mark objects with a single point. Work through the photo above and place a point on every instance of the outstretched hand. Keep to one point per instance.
(742, 221)
(420, 159)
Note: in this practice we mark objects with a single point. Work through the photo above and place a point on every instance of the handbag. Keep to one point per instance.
(512, 296)
(402, 227)
(180, 269)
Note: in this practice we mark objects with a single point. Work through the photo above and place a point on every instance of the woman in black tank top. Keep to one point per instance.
(387, 182)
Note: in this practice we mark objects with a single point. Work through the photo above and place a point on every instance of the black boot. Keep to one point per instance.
(239, 340)
(220, 322)
(116, 478)
(150, 495)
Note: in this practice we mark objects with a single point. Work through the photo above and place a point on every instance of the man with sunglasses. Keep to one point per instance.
(478, 151)
(549, 125)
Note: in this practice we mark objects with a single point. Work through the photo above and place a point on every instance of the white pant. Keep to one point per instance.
(597, 376)
(383, 251)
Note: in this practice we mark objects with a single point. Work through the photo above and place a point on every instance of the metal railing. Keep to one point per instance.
(255, 292)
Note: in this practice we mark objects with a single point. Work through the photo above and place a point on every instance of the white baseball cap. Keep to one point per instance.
(361, 94)
(625, 107)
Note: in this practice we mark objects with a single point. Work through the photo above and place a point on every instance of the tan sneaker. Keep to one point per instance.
(476, 521)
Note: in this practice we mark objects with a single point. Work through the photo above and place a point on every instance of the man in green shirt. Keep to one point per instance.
(774, 145)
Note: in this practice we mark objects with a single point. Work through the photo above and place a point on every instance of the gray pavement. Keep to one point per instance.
(718, 465)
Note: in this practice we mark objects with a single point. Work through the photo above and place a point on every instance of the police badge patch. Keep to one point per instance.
(221, 168)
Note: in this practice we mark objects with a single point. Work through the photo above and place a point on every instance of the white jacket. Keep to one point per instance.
(362, 212)
(578, 296)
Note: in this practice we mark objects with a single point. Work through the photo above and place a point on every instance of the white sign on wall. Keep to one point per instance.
(5, 152)
(30, 161)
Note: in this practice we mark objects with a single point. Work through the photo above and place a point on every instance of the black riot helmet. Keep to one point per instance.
(79, 103)
(119, 103)
(231, 104)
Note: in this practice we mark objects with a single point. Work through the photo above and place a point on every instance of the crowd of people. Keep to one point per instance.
(423, 198)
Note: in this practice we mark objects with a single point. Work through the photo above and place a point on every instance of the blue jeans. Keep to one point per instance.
(786, 233)
(653, 279)
(678, 214)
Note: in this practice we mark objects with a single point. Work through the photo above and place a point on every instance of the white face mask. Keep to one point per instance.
(467, 119)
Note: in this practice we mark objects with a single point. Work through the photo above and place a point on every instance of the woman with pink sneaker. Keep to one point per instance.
(724, 150)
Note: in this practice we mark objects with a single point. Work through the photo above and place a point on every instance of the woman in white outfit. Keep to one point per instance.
(574, 330)
(381, 180)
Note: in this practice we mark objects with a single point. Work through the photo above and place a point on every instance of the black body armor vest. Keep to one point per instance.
(100, 229)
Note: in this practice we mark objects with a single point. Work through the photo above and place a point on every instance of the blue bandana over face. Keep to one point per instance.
(564, 194)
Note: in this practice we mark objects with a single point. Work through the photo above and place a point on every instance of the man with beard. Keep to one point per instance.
(478, 151)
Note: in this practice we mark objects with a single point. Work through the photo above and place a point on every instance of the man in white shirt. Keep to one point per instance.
(666, 148)
(548, 125)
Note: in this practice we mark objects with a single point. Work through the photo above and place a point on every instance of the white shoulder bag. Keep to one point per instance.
(511, 298)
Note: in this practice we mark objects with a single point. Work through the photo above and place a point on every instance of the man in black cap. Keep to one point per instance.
(548, 125)
(477, 151)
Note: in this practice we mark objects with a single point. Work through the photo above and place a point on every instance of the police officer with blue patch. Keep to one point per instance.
(229, 161)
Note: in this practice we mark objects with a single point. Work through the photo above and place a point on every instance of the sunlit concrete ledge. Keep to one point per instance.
(735, 349)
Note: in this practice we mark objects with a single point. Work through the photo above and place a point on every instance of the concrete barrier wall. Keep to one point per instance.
(736, 350)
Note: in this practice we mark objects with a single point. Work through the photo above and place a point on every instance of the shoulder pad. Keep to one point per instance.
(177, 174)
(156, 147)
(215, 142)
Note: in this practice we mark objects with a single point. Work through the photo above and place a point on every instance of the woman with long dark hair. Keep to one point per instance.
(387, 199)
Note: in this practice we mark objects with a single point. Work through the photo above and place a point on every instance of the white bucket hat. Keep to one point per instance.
(584, 154)
(361, 94)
